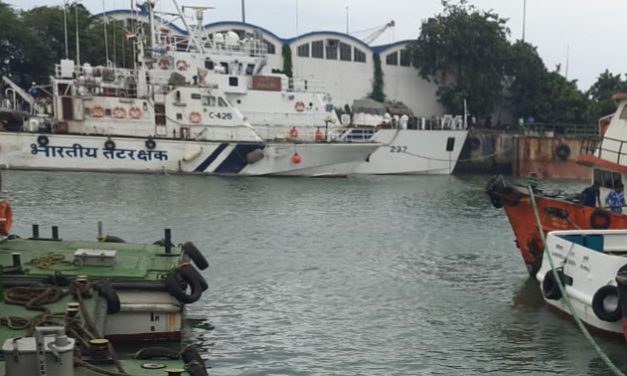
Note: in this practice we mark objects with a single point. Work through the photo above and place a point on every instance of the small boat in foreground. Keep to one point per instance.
(588, 263)
(62, 304)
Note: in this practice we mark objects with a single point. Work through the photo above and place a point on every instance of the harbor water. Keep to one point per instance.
(395, 275)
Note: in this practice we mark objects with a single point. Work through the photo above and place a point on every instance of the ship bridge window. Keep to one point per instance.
(209, 101)
(270, 46)
(317, 49)
(623, 113)
(250, 68)
(392, 59)
(208, 64)
(225, 68)
(608, 179)
(195, 96)
(360, 56)
(345, 52)
(222, 102)
(332, 45)
(303, 50)
(233, 81)
(405, 62)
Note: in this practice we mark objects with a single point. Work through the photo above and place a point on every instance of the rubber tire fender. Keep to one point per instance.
(597, 304)
(43, 140)
(110, 295)
(510, 201)
(562, 152)
(474, 143)
(193, 253)
(111, 239)
(157, 352)
(150, 144)
(109, 145)
(203, 282)
(196, 369)
(187, 274)
(550, 289)
(190, 354)
(601, 214)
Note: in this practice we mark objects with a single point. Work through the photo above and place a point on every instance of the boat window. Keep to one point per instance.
(209, 64)
(209, 101)
(317, 49)
(623, 112)
(222, 102)
(360, 56)
(233, 81)
(345, 52)
(392, 59)
(271, 48)
(250, 69)
(225, 66)
(303, 50)
(195, 96)
(608, 179)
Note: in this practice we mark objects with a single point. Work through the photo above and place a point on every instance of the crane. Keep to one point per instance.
(374, 32)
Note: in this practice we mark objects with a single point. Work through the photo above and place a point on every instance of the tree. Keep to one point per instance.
(463, 50)
(287, 60)
(377, 82)
(525, 74)
(600, 94)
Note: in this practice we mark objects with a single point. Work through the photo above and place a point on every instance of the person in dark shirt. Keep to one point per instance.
(592, 195)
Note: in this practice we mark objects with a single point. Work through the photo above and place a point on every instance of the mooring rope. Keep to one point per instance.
(557, 278)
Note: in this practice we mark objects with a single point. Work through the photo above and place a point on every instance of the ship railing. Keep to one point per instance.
(607, 148)
(566, 129)
(302, 85)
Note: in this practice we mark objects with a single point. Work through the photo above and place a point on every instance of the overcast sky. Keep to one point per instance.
(582, 35)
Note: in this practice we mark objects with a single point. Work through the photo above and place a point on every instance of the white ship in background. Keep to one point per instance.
(155, 119)
(283, 108)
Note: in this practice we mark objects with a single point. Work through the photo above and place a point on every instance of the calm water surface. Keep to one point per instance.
(359, 276)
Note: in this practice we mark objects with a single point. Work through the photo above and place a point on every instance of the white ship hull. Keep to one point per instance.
(130, 154)
(408, 151)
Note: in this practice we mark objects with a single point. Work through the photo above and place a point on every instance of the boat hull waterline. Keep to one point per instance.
(128, 154)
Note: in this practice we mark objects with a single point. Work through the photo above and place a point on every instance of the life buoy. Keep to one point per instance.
(550, 288)
(600, 219)
(150, 144)
(119, 113)
(194, 117)
(164, 64)
(97, 112)
(194, 254)
(189, 275)
(293, 132)
(562, 152)
(299, 106)
(599, 300)
(181, 65)
(296, 159)
(135, 112)
(42, 140)
(318, 134)
(6, 217)
(107, 291)
(109, 145)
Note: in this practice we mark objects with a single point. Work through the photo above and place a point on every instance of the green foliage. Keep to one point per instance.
(377, 82)
(464, 51)
(287, 60)
(600, 94)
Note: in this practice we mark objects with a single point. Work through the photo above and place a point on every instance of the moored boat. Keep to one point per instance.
(560, 211)
(587, 263)
(63, 302)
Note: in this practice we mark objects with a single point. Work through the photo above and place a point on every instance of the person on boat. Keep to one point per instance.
(615, 199)
(591, 196)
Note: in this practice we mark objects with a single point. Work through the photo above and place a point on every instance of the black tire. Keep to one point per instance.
(550, 288)
(196, 369)
(598, 308)
(187, 274)
(111, 239)
(190, 354)
(150, 144)
(562, 152)
(109, 145)
(157, 352)
(474, 143)
(496, 200)
(203, 282)
(193, 253)
(43, 140)
(600, 219)
(110, 295)
(511, 196)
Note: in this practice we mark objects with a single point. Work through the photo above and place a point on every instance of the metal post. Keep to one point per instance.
(16, 258)
(78, 50)
(35, 231)
(168, 241)
(55, 233)
(524, 19)
(243, 12)
(67, 52)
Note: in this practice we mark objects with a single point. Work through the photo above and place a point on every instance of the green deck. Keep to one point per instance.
(134, 262)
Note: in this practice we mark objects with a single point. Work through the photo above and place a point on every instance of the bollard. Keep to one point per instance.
(55, 232)
(17, 259)
(168, 242)
(35, 231)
